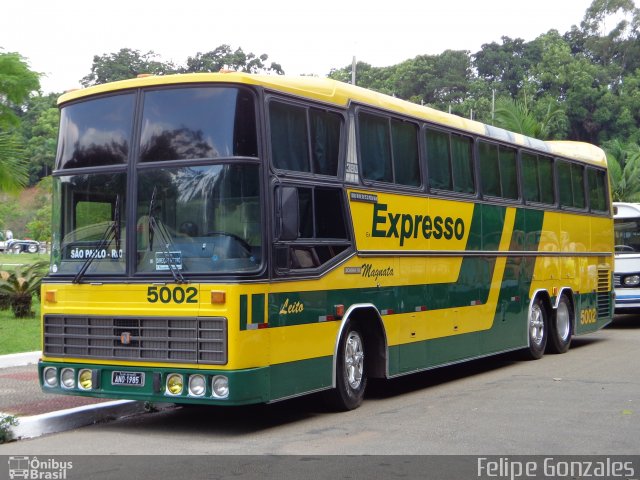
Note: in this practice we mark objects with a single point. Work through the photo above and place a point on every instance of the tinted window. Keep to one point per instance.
(450, 161)
(294, 128)
(537, 178)
(198, 122)
(325, 141)
(571, 185)
(289, 140)
(95, 132)
(389, 150)
(375, 148)
(489, 169)
(405, 153)
(597, 190)
(498, 170)
(462, 164)
(438, 160)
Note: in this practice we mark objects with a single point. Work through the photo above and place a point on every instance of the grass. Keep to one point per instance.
(9, 260)
(20, 334)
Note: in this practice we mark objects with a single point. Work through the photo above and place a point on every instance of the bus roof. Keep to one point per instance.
(626, 210)
(342, 94)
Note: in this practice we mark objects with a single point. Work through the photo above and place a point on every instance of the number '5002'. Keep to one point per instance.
(168, 295)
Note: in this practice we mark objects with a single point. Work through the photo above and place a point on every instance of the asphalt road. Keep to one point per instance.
(584, 402)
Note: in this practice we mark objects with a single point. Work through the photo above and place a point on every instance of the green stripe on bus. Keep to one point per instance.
(257, 308)
(243, 312)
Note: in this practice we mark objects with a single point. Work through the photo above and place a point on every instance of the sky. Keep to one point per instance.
(60, 38)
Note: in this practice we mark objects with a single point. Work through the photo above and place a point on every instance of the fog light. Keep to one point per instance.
(85, 379)
(68, 378)
(220, 386)
(50, 376)
(631, 280)
(175, 384)
(197, 385)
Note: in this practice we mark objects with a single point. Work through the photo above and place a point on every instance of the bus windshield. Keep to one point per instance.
(627, 235)
(197, 219)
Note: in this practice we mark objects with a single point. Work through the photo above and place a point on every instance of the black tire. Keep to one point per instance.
(561, 327)
(537, 329)
(33, 248)
(16, 248)
(351, 374)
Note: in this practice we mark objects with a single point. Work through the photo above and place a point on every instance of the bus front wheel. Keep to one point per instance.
(351, 375)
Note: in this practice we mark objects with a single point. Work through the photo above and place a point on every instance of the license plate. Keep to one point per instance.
(135, 379)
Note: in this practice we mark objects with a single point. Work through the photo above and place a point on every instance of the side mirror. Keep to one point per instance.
(289, 221)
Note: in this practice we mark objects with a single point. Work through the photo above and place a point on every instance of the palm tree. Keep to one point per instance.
(20, 285)
(515, 115)
(624, 170)
(13, 170)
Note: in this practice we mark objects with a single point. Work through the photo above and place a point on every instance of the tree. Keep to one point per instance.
(223, 57)
(624, 170)
(515, 115)
(39, 128)
(17, 81)
(123, 65)
(506, 66)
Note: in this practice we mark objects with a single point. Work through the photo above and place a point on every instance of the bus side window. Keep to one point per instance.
(323, 232)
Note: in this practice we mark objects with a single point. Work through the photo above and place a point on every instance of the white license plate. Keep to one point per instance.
(135, 379)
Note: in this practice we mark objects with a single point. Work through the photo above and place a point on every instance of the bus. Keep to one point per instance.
(626, 276)
(230, 239)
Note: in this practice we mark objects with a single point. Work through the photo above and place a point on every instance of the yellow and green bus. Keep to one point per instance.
(231, 239)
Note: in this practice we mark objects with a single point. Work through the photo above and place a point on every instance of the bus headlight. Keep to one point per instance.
(197, 385)
(631, 280)
(50, 376)
(68, 378)
(175, 384)
(85, 379)
(220, 386)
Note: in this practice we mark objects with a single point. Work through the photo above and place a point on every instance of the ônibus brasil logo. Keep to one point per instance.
(38, 469)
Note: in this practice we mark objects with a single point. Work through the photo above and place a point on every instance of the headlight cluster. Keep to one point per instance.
(70, 378)
(175, 383)
(632, 280)
(196, 385)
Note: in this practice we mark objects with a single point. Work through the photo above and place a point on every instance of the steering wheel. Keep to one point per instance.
(246, 248)
(624, 248)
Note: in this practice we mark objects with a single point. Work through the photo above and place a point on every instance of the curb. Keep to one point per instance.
(19, 359)
(63, 420)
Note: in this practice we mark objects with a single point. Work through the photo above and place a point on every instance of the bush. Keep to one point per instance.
(6, 422)
(20, 286)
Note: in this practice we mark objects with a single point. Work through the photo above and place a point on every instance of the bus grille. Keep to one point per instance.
(617, 280)
(603, 294)
(148, 339)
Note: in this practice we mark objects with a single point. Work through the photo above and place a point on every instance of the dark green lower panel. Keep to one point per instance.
(257, 385)
(443, 351)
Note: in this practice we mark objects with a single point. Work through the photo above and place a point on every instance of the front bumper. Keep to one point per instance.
(244, 386)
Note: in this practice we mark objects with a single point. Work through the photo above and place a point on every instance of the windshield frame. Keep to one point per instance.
(135, 168)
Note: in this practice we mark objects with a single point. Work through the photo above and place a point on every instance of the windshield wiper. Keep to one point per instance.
(111, 233)
(165, 238)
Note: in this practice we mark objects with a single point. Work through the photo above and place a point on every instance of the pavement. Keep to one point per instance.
(39, 413)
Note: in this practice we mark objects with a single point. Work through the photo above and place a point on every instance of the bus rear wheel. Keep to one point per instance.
(561, 327)
(351, 375)
(537, 327)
